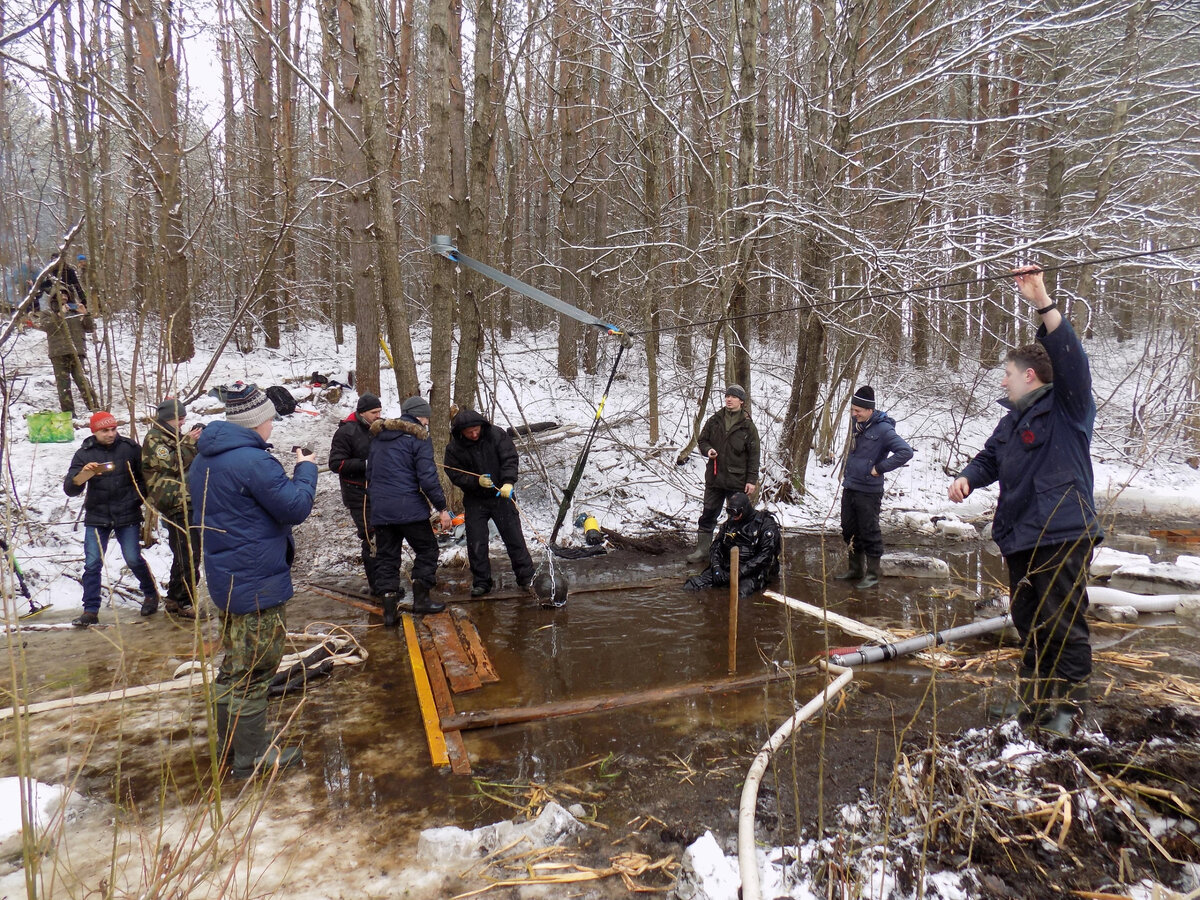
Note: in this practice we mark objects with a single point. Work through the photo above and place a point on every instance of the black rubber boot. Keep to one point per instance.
(478, 589)
(871, 577)
(1063, 716)
(221, 720)
(1021, 701)
(855, 571)
(252, 746)
(422, 602)
(390, 601)
(703, 543)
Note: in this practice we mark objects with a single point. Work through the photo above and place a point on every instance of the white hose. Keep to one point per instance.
(747, 852)
(1103, 596)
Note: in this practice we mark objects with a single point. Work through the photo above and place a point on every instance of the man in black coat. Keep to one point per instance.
(481, 460)
(348, 458)
(109, 465)
(759, 541)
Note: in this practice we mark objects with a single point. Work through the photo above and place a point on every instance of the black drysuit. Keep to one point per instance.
(759, 542)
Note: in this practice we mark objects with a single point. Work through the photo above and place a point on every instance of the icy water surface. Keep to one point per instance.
(365, 751)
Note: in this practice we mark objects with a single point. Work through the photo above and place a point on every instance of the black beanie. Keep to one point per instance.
(368, 402)
(864, 397)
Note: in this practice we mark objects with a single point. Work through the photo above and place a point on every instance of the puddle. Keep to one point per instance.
(366, 759)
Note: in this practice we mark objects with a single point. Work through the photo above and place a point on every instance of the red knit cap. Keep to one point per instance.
(102, 420)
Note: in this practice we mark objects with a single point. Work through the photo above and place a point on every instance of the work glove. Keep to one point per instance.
(506, 491)
(485, 481)
(693, 584)
(720, 578)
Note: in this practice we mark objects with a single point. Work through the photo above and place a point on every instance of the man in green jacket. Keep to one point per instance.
(729, 443)
(65, 321)
(167, 453)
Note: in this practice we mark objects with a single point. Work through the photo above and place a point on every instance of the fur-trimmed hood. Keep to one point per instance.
(404, 424)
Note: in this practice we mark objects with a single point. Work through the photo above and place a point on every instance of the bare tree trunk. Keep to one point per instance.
(263, 184)
(375, 149)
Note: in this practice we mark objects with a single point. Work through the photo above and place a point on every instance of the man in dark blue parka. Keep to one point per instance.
(874, 449)
(1045, 523)
(402, 485)
(245, 506)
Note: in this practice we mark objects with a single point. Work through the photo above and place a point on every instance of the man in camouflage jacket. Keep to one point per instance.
(167, 452)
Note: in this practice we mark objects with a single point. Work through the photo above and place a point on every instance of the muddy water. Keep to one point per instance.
(366, 757)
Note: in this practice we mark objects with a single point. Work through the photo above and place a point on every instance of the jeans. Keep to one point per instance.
(860, 522)
(95, 543)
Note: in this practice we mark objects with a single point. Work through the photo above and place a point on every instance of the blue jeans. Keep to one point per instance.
(95, 542)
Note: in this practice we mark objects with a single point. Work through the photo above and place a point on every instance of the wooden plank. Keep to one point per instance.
(1177, 535)
(475, 649)
(460, 763)
(459, 669)
(429, 715)
(488, 718)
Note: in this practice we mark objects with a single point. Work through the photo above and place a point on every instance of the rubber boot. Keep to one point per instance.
(1065, 713)
(221, 720)
(422, 602)
(703, 543)
(390, 601)
(1021, 701)
(150, 605)
(855, 571)
(252, 746)
(871, 577)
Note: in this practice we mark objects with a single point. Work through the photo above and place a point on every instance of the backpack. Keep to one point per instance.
(281, 397)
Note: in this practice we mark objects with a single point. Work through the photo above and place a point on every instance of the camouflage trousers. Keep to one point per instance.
(253, 646)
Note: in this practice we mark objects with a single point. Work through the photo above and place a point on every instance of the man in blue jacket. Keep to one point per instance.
(1045, 522)
(246, 505)
(875, 449)
(402, 486)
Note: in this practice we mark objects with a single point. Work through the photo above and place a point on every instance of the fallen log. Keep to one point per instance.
(490, 718)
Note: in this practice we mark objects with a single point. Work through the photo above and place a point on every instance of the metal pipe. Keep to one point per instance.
(866, 655)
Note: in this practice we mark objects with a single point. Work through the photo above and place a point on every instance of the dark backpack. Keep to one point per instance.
(285, 403)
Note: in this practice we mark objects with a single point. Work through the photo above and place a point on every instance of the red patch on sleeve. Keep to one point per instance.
(1028, 436)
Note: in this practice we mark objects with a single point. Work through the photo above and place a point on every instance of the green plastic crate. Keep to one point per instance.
(50, 427)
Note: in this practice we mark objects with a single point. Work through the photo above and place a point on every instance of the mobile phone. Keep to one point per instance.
(298, 449)
(108, 466)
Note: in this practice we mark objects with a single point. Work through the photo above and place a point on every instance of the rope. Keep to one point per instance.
(569, 493)
(920, 289)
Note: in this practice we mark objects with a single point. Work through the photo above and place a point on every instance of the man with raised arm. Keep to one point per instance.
(1045, 522)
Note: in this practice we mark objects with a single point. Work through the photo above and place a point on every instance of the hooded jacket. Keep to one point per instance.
(737, 449)
(348, 458)
(1041, 455)
(876, 447)
(166, 456)
(494, 453)
(402, 478)
(114, 499)
(247, 506)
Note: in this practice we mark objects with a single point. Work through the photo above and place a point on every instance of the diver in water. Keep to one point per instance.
(759, 541)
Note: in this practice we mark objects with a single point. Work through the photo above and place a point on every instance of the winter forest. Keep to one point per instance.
(826, 179)
(795, 197)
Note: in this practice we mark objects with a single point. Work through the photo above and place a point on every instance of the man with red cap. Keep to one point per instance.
(109, 466)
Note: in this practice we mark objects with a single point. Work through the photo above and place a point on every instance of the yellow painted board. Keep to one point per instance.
(429, 713)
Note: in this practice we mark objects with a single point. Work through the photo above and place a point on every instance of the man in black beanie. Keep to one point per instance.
(874, 449)
(348, 458)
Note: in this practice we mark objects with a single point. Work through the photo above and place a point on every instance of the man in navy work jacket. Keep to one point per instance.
(246, 505)
(402, 485)
(482, 461)
(1045, 523)
(875, 449)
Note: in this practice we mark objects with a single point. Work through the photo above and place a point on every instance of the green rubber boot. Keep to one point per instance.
(871, 577)
(703, 543)
(855, 571)
(253, 749)
(1021, 702)
(1064, 716)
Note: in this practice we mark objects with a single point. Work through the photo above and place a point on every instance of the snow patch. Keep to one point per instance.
(1106, 560)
